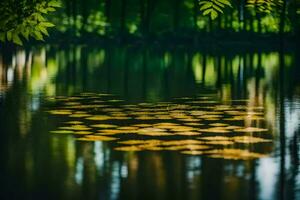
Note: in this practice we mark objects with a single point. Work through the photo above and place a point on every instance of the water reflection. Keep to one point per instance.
(94, 171)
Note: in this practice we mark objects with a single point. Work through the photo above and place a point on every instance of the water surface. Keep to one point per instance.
(149, 123)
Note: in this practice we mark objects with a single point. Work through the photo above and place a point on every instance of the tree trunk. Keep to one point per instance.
(282, 22)
(123, 16)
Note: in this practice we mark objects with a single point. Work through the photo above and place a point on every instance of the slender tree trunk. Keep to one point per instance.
(282, 23)
(195, 14)
(258, 18)
(107, 14)
(142, 15)
(123, 16)
(176, 15)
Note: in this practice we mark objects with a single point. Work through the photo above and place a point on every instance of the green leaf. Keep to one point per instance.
(54, 4)
(25, 33)
(213, 14)
(226, 2)
(206, 6)
(43, 30)
(16, 39)
(2, 37)
(219, 4)
(9, 35)
(47, 24)
(206, 12)
(38, 36)
(204, 2)
(217, 8)
(50, 9)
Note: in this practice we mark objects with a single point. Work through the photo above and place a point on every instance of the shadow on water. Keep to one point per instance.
(37, 163)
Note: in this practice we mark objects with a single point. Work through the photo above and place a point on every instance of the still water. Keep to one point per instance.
(149, 123)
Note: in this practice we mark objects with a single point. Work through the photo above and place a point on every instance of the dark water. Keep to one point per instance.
(39, 86)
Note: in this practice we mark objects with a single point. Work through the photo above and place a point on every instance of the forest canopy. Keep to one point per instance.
(24, 19)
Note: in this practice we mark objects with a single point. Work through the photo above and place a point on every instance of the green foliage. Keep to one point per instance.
(24, 19)
(264, 6)
(213, 7)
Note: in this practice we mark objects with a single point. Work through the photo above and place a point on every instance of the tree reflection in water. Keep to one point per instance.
(94, 170)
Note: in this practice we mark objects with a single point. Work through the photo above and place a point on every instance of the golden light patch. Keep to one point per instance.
(251, 129)
(152, 148)
(74, 122)
(164, 117)
(115, 100)
(128, 148)
(249, 139)
(62, 132)
(104, 126)
(143, 125)
(111, 131)
(145, 118)
(83, 132)
(183, 128)
(187, 133)
(80, 115)
(220, 142)
(128, 128)
(187, 146)
(76, 128)
(215, 138)
(60, 112)
(96, 138)
(210, 116)
(233, 127)
(235, 154)
(193, 124)
(181, 142)
(215, 130)
(133, 142)
(154, 133)
(218, 124)
(193, 152)
(98, 118)
(71, 103)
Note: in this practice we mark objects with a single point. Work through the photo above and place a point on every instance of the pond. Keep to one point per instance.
(143, 122)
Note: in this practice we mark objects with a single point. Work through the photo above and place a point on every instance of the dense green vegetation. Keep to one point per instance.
(147, 18)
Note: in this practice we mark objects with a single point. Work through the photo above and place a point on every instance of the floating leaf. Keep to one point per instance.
(98, 118)
(83, 132)
(235, 154)
(74, 122)
(62, 132)
(218, 124)
(80, 115)
(96, 138)
(188, 133)
(215, 130)
(251, 129)
(60, 112)
(76, 128)
(220, 142)
(193, 152)
(104, 126)
(249, 139)
(187, 146)
(215, 138)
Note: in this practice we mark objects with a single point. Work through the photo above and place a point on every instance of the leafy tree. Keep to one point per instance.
(213, 7)
(24, 19)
